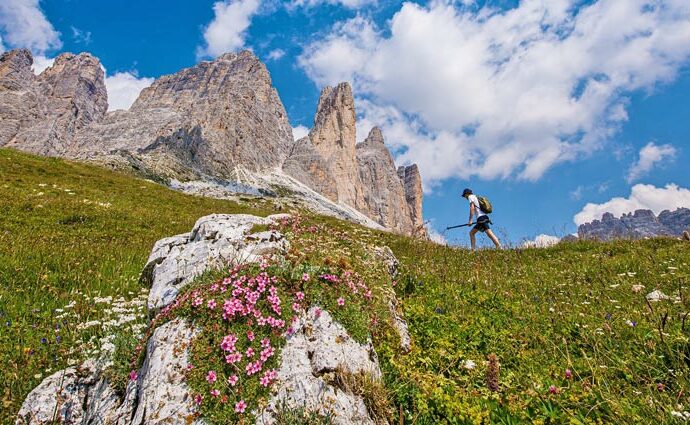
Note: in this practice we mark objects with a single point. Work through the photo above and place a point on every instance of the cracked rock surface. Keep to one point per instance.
(216, 240)
(318, 347)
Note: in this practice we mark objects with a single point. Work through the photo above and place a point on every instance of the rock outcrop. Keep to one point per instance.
(44, 114)
(317, 348)
(215, 241)
(638, 225)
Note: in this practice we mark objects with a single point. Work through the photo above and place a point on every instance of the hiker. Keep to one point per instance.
(483, 223)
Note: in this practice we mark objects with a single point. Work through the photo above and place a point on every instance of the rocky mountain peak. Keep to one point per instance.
(414, 195)
(637, 225)
(218, 118)
(375, 138)
(335, 118)
(43, 114)
(374, 145)
(334, 138)
(80, 80)
(15, 69)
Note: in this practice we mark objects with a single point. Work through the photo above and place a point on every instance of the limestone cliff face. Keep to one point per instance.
(362, 176)
(44, 114)
(414, 196)
(637, 225)
(384, 193)
(334, 138)
(220, 118)
(305, 164)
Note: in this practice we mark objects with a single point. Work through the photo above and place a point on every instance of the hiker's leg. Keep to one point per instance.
(493, 238)
(473, 238)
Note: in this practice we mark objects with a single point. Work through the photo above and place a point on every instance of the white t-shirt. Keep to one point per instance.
(474, 200)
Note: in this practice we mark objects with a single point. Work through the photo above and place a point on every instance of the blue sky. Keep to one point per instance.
(544, 107)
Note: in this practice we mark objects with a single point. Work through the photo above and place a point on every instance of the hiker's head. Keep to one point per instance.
(466, 193)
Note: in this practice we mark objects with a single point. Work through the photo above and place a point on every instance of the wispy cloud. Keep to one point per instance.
(650, 156)
(81, 36)
(227, 31)
(23, 24)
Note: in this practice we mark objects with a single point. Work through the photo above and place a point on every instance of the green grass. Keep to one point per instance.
(540, 311)
(72, 232)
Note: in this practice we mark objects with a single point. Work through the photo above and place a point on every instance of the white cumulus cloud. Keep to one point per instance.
(41, 63)
(228, 29)
(502, 93)
(23, 24)
(299, 132)
(124, 88)
(276, 54)
(642, 196)
(542, 241)
(650, 155)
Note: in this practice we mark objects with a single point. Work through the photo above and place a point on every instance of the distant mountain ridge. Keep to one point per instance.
(220, 119)
(638, 225)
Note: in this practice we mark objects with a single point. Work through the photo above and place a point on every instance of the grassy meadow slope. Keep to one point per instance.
(574, 339)
(72, 235)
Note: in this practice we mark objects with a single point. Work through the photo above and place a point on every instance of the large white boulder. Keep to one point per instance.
(216, 241)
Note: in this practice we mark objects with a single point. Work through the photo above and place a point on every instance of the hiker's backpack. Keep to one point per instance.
(485, 205)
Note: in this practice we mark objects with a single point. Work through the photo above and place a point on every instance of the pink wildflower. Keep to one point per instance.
(341, 302)
(250, 352)
(197, 399)
(211, 304)
(660, 387)
(253, 368)
(233, 358)
(240, 406)
(553, 389)
(268, 377)
(228, 343)
(265, 343)
(250, 335)
(233, 380)
(568, 374)
(296, 307)
(215, 393)
(305, 277)
(299, 296)
(133, 375)
(211, 377)
(266, 353)
(197, 302)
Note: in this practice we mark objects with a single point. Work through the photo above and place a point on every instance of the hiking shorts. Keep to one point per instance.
(483, 223)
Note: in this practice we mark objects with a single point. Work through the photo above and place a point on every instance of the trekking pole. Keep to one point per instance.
(461, 225)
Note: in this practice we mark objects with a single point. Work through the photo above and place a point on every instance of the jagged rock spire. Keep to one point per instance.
(334, 137)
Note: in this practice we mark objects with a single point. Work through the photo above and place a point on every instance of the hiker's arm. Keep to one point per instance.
(472, 212)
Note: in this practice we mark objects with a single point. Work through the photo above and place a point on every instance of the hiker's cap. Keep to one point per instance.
(466, 192)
